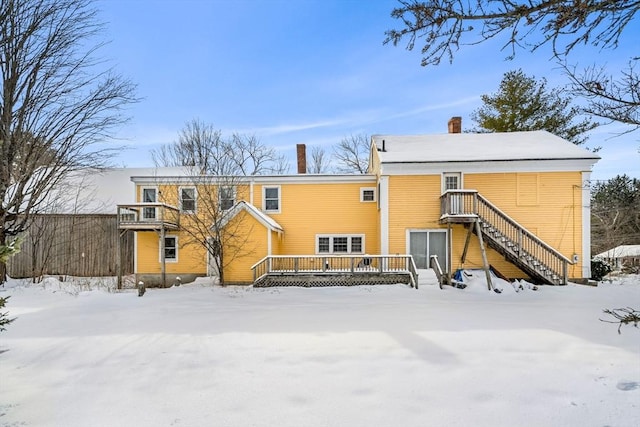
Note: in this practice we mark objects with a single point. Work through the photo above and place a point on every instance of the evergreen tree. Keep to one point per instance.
(523, 104)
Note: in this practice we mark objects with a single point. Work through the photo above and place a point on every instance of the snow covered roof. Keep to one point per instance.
(473, 147)
(264, 219)
(99, 191)
(622, 251)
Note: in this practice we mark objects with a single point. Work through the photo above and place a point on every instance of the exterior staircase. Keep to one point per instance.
(502, 233)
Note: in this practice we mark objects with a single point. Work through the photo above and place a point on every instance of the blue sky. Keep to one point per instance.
(313, 72)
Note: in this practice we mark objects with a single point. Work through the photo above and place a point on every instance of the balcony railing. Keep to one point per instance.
(141, 216)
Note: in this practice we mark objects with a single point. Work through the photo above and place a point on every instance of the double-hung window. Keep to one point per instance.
(271, 196)
(226, 198)
(340, 244)
(171, 248)
(188, 197)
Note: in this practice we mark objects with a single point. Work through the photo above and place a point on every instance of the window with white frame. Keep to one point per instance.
(340, 244)
(171, 248)
(188, 198)
(367, 194)
(226, 198)
(271, 196)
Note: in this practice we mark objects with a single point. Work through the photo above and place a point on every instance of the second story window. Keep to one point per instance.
(271, 199)
(188, 199)
(227, 198)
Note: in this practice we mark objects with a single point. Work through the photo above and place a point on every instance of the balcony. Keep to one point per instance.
(148, 216)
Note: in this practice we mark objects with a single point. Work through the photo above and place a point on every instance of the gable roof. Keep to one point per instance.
(260, 216)
(475, 147)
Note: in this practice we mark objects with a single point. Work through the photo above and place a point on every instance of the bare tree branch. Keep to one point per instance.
(441, 25)
(201, 145)
(57, 106)
(319, 161)
(611, 98)
(352, 154)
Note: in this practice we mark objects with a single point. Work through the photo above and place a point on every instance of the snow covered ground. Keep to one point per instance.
(198, 355)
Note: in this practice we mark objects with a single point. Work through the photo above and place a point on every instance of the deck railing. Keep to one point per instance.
(144, 215)
(331, 264)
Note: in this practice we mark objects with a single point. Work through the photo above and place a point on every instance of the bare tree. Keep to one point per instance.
(217, 174)
(442, 26)
(202, 146)
(616, 99)
(56, 103)
(319, 160)
(352, 154)
(214, 224)
(615, 213)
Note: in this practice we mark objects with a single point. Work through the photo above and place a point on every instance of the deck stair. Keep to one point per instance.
(502, 233)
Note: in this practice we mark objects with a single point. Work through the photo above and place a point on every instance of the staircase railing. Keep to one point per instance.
(526, 249)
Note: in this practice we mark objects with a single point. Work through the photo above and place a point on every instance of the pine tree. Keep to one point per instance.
(525, 104)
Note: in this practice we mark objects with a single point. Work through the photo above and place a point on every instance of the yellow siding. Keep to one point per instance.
(556, 218)
(414, 203)
(247, 246)
(547, 204)
(191, 255)
(316, 208)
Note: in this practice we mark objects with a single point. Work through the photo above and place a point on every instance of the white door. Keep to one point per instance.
(453, 181)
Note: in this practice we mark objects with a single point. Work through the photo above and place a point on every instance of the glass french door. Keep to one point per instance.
(423, 244)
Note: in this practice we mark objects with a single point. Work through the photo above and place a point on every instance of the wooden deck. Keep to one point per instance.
(335, 270)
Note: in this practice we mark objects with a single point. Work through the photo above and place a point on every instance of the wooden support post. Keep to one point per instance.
(485, 263)
(119, 258)
(163, 267)
(466, 244)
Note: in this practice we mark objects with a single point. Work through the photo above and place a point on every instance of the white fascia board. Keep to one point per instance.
(498, 166)
(271, 179)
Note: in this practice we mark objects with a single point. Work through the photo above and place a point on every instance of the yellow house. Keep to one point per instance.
(517, 202)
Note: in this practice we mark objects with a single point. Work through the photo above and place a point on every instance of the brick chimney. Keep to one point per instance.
(455, 124)
(302, 158)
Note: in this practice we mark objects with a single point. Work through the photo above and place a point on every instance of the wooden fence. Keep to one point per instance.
(74, 245)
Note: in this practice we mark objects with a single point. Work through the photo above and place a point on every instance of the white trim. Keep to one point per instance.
(233, 199)
(331, 236)
(586, 224)
(502, 166)
(262, 217)
(443, 179)
(384, 215)
(408, 232)
(268, 240)
(169, 260)
(264, 199)
(363, 190)
(195, 195)
(263, 180)
(155, 210)
(148, 187)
